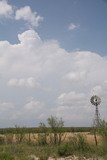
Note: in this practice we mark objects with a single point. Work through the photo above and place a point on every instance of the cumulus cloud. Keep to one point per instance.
(75, 76)
(26, 14)
(73, 26)
(6, 10)
(5, 106)
(61, 82)
(33, 110)
(22, 82)
(33, 105)
(29, 36)
(71, 98)
(11, 115)
(74, 107)
(7, 110)
(97, 90)
(68, 78)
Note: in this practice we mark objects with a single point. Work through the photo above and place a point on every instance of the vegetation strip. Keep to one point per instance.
(54, 143)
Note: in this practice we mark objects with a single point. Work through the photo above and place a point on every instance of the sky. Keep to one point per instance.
(53, 58)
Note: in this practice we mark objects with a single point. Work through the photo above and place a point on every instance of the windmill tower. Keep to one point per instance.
(95, 100)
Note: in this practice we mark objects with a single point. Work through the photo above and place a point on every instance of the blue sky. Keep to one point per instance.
(90, 16)
(53, 58)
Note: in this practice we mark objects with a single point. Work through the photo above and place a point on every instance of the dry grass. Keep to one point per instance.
(66, 136)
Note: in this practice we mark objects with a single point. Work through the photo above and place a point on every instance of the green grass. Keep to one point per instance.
(23, 151)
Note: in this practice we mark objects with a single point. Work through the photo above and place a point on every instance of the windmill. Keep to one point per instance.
(95, 100)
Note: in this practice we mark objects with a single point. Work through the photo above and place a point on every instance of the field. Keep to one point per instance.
(53, 140)
(22, 143)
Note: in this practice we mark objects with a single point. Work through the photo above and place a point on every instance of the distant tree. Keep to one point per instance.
(56, 125)
(52, 132)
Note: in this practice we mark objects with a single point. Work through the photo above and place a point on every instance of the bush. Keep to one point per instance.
(6, 156)
(42, 140)
(19, 134)
(55, 123)
(103, 130)
(55, 128)
(65, 149)
(9, 138)
(2, 139)
(42, 136)
(82, 144)
(77, 144)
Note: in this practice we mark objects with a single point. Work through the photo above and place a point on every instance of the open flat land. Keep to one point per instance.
(66, 136)
(32, 147)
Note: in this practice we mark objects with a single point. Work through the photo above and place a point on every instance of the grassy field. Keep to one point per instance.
(21, 147)
(55, 141)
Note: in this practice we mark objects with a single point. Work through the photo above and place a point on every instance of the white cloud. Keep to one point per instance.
(74, 107)
(71, 104)
(7, 111)
(61, 82)
(11, 115)
(32, 111)
(33, 105)
(97, 90)
(75, 76)
(66, 80)
(73, 26)
(5, 106)
(22, 82)
(71, 98)
(6, 10)
(29, 36)
(26, 14)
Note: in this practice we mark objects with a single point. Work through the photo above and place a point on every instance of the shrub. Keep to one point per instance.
(54, 132)
(56, 126)
(42, 140)
(9, 138)
(103, 130)
(65, 149)
(19, 134)
(6, 156)
(2, 139)
(42, 136)
(82, 144)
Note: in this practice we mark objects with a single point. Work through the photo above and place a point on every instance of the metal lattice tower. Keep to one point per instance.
(95, 100)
